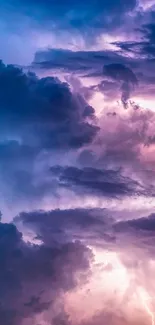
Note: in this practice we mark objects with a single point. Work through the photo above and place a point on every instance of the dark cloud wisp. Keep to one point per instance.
(109, 183)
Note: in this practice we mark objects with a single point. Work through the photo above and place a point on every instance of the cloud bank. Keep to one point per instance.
(77, 157)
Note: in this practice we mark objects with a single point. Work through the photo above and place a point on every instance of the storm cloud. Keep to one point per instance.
(108, 183)
(30, 275)
(77, 162)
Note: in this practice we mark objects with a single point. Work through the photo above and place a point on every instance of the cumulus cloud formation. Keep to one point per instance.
(46, 106)
(33, 277)
(77, 157)
(111, 240)
(37, 116)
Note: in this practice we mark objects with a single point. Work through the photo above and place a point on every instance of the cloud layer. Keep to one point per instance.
(77, 157)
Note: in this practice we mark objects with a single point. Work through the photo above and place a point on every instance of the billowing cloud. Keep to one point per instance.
(77, 175)
(30, 276)
(110, 241)
(46, 106)
(37, 116)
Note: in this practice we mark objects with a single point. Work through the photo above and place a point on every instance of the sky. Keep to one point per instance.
(77, 162)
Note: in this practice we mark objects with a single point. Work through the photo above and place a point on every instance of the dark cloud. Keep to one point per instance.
(99, 230)
(146, 224)
(144, 47)
(57, 226)
(108, 183)
(132, 241)
(56, 152)
(112, 71)
(34, 277)
(148, 45)
(120, 72)
(125, 76)
(87, 63)
(42, 112)
(90, 226)
(137, 48)
(139, 235)
(150, 30)
(37, 116)
(80, 62)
